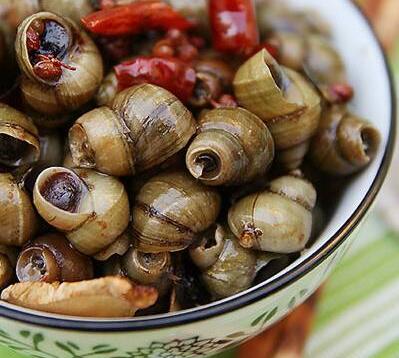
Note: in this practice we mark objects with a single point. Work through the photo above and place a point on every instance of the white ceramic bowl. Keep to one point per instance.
(211, 328)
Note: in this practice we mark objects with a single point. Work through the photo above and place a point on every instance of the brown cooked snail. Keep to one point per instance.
(170, 210)
(19, 138)
(8, 259)
(284, 100)
(344, 143)
(227, 268)
(278, 219)
(232, 146)
(92, 209)
(107, 90)
(18, 219)
(145, 126)
(51, 258)
(150, 269)
(61, 65)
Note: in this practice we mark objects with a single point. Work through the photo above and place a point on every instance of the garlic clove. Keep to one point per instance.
(104, 297)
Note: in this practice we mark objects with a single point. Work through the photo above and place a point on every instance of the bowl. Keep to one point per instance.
(208, 329)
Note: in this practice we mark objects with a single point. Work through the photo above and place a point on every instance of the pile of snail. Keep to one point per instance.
(116, 202)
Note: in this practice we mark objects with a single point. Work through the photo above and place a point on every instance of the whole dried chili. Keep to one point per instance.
(234, 27)
(169, 73)
(135, 18)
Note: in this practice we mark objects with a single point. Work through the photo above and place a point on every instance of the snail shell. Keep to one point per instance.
(233, 269)
(283, 99)
(148, 268)
(73, 9)
(19, 138)
(92, 209)
(170, 210)
(278, 219)
(8, 259)
(232, 147)
(75, 87)
(344, 143)
(52, 258)
(145, 126)
(18, 219)
(107, 90)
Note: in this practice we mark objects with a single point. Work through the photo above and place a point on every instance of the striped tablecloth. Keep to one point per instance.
(358, 313)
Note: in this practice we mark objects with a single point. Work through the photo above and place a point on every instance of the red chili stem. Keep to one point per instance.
(234, 27)
(135, 18)
(169, 73)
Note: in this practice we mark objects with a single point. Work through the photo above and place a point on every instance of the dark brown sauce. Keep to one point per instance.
(63, 190)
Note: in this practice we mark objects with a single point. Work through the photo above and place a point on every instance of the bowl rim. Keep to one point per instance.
(271, 287)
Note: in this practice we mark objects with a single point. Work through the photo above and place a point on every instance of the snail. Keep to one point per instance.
(232, 147)
(318, 59)
(18, 219)
(170, 210)
(62, 67)
(145, 126)
(92, 209)
(150, 269)
(8, 259)
(213, 77)
(284, 100)
(19, 138)
(278, 219)
(107, 90)
(51, 258)
(344, 143)
(227, 268)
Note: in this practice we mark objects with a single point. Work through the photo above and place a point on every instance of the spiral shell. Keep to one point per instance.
(278, 219)
(283, 99)
(344, 143)
(19, 138)
(170, 210)
(18, 219)
(92, 209)
(146, 125)
(232, 147)
(76, 86)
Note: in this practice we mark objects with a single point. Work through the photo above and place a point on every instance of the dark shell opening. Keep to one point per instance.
(210, 164)
(63, 190)
(12, 150)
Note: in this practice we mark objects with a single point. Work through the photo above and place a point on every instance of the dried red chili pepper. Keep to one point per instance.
(135, 18)
(234, 27)
(169, 73)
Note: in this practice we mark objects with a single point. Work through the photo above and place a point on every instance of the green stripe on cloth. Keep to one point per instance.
(359, 309)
